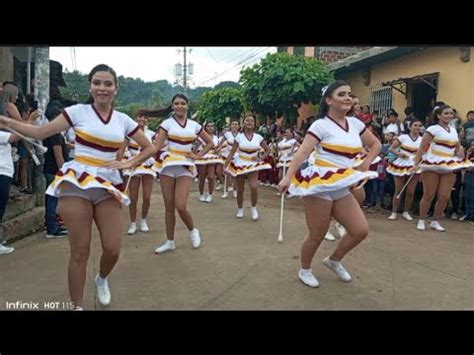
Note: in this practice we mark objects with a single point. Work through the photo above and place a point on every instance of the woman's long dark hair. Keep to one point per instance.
(437, 111)
(323, 106)
(165, 111)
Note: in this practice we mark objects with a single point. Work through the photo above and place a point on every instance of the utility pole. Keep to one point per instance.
(185, 81)
(184, 70)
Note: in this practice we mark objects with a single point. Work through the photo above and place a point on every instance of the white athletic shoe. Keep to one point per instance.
(240, 213)
(254, 213)
(393, 216)
(169, 245)
(209, 199)
(6, 250)
(421, 225)
(219, 187)
(143, 226)
(407, 216)
(202, 198)
(340, 229)
(103, 292)
(132, 229)
(195, 238)
(329, 236)
(234, 193)
(337, 267)
(436, 226)
(225, 195)
(307, 277)
(230, 189)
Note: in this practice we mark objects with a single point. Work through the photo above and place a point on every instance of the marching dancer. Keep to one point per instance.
(325, 185)
(142, 175)
(444, 156)
(90, 187)
(206, 166)
(405, 147)
(246, 164)
(176, 166)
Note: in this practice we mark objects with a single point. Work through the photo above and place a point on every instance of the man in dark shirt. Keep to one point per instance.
(54, 158)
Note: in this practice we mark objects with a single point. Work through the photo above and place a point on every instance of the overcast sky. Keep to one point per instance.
(211, 64)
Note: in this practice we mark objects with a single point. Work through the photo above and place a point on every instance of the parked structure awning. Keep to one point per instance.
(401, 84)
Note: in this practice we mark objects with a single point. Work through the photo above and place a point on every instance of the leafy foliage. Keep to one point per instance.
(218, 104)
(280, 83)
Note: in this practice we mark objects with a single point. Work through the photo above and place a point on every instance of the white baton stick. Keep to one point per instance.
(225, 185)
(408, 181)
(282, 204)
(29, 140)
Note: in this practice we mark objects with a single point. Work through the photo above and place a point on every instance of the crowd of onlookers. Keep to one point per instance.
(23, 157)
(386, 126)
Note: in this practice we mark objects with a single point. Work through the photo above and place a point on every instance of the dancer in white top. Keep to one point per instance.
(207, 164)
(141, 175)
(90, 187)
(325, 185)
(444, 156)
(405, 148)
(176, 166)
(220, 167)
(285, 151)
(226, 147)
(247, 164)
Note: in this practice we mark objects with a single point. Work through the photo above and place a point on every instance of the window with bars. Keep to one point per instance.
(298, 50)
(380, 99)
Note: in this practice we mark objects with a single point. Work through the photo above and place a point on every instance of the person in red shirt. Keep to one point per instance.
(365, 116)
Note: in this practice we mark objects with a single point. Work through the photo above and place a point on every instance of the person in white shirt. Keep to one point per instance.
(441, 155)
(405, 147)
(226, 146)
(394, 124)
(176, 165)
(208, 164)
(90, 187)
(6, 177)
(142, 175)
(247, 164)
(325, 185)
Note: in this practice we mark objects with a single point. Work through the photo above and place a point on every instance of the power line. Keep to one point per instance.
(241, 63)
(234, 57)
(231, 58)
(215, 60)
(236, 65)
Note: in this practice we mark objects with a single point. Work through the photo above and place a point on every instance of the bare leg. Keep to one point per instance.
(77, 214)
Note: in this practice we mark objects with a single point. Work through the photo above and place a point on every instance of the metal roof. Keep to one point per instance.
(370, 57)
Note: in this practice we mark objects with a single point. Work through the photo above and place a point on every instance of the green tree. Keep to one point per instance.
(227, 84)
(77, 86)
(216, 105)
(280, 83)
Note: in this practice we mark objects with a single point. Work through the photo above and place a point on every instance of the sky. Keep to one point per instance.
(211, 65)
